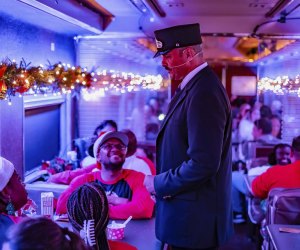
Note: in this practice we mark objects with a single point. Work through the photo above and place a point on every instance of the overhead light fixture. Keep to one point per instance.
(75, 13)
(277, 8)
(155, 6)
(140, 5)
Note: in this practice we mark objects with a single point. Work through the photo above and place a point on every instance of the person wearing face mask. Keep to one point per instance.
(193, 181)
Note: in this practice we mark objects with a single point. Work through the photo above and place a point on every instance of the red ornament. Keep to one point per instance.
(88, 80)
(69, 166)
(45, 165)
(51, 171)
(2, 70)
(22, 89)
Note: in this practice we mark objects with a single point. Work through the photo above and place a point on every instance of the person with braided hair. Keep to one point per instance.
(89, 202)
(41, 233)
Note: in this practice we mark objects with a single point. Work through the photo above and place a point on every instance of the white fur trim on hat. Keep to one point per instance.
(109, 135)
(6, 171)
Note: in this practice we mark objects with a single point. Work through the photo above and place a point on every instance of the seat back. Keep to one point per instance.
(283, 206)
(81, 145)
(263, 151)
(256, 149)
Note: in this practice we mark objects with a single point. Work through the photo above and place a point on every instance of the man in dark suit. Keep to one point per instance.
(193, 181)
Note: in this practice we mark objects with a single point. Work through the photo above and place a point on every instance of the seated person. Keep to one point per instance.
(124, 187)
(67, 176)
(81, 145)
(89, 202)
(246, 124)
(105, 126)
(276, 126)
(13, 196)
(88, 163)
(262, 134)
(137, 163)
(262, 131)
(281, 155)
(41, 233)
(278, 176)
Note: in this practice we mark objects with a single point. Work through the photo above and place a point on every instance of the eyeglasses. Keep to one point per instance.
(109, 147)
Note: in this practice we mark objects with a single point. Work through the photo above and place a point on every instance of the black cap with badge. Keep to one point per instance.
(177, 37)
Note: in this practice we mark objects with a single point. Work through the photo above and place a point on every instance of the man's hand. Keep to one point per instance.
(115, 200)
(149, 183)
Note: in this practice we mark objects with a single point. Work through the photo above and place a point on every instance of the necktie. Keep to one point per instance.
(177, 91)
(175, 97)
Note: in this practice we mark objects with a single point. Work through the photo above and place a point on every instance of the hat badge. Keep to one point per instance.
(159, 44)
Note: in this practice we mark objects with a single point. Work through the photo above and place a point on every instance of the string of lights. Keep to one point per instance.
(20, 79)
(281, 85)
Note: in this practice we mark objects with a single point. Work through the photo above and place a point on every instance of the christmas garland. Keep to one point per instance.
(21, 78)
(63, 78)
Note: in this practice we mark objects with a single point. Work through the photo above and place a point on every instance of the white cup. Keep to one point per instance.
(115, 231)
(72, 155)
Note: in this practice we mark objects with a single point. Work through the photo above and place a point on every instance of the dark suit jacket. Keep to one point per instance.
(193, 185)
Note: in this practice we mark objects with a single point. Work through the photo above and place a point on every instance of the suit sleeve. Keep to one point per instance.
(206, 121)
(141, 204)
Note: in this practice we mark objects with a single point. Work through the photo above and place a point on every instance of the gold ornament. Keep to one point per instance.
(3, 90)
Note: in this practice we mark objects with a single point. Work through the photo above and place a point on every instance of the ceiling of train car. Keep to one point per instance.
(214, 16)
(29, 11)
(226, 25)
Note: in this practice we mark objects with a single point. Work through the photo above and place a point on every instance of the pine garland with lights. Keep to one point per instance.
(21, 78)
(63, 78)
(280, 85)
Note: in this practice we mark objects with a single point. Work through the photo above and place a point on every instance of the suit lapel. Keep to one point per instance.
(177, 99)
(172, 106)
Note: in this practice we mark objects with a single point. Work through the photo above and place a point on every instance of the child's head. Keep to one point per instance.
(41, 233)
(89, 202)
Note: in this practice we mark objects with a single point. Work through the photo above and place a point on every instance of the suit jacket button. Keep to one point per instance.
(167, 197)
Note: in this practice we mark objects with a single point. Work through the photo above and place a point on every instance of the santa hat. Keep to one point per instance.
(6, 171)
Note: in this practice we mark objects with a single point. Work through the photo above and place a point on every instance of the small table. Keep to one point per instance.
(283, 240)
(139, 233)
(34, 191)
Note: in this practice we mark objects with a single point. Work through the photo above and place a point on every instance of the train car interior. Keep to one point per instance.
(68, 65)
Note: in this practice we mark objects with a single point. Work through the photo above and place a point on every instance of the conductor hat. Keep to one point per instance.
(177, 37)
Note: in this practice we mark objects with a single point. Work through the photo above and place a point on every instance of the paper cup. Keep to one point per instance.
(115, 231)
(47, 199)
